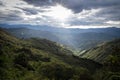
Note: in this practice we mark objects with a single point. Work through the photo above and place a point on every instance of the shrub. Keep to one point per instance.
(22, 59)
(56, 71)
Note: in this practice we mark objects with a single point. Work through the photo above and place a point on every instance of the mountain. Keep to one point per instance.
(80, 39)
(103, 51)
(107, 54)
(41, 59)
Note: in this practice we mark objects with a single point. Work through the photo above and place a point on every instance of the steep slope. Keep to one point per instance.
(109, 55)
(40, 59)
(103, 51)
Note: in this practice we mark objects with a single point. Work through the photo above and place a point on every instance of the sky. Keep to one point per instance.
(61, 13)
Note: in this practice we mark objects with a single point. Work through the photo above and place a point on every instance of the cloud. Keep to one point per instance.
(1, 4)
(86, 18)
(30, 11)
(77, 5)
(110, 13)
(61, 13)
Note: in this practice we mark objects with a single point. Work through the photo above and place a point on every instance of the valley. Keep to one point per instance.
(77, 39)
(59, 39)
(36, 59)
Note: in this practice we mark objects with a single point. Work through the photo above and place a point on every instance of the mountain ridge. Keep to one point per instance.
(105, 50)
(73, 38)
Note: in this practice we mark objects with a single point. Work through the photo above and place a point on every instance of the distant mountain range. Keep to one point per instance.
(74, 38)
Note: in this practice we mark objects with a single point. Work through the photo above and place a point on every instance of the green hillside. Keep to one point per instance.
(41, 59)
(109, 55)
(104, 51)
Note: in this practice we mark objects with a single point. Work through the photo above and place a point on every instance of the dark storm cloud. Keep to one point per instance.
(38, 2)
(77, 5)
(9, 17)
(110, 13)
(1, 4)
(29, 11)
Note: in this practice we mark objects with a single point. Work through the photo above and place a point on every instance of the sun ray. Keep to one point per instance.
(59, 12)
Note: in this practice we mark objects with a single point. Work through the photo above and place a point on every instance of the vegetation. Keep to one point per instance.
(107, 54)
(41, 59)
